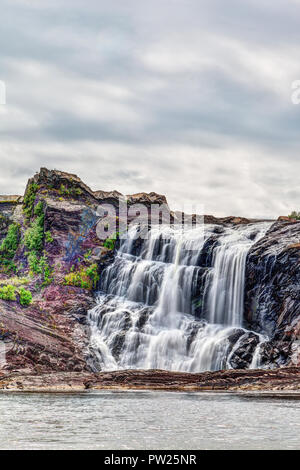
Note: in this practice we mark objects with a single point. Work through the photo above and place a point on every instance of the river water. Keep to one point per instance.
(147, 420)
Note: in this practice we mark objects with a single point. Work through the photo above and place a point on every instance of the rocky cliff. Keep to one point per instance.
(50, 251)
(272, 304)
(51, 259)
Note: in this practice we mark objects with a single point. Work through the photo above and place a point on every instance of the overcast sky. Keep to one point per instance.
(188, 98)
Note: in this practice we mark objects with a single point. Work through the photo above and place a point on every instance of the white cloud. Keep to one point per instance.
(229, 181)
(182, 98)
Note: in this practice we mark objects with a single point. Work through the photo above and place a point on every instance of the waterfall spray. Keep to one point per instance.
(146, 316)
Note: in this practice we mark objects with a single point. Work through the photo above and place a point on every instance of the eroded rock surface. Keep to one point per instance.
(272, 291)
(286, 379)
(51, 335)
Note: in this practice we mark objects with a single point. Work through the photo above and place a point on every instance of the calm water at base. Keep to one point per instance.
(147, 420)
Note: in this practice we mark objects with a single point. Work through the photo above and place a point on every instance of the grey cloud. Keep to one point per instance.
(198, 87)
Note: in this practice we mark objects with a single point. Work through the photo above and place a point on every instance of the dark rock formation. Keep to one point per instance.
(272, 304)
(243, 347)
(147, 199)
(8, 204)
(4, 224)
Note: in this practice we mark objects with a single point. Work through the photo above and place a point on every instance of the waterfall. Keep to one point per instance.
(175, 301)
(226, 287)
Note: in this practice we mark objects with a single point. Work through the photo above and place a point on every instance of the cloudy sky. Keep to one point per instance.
(188, 98)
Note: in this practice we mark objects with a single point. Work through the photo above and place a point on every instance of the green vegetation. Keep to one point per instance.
(10, 243)
(34, 241)
(92, 273)
(84, 277)
(33, 262)
(39, 209)
(48, 237)
(8, 293)
(30, 240)
(34, 235)
(15, 281)
(111, 242)
(69, 192)
(45, 270)
(40, 266)
(25, 297)
(9, 247)
(295, 215)
(87, 255)
(29, 199)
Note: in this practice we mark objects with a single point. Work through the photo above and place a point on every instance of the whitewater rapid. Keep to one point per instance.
(175, 301)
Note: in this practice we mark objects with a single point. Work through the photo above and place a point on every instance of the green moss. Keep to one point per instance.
(48, 237)
(34, 264)
(87, 255)
(92, 273)
(8, 293)
(295, 215)
(15, 281)
(9, 247)
(34, 235)
(8, 201)
(72, 191)
(34, 239)
(46, 270)
(25, 297)
(84, 277)
(29, 200)
(39, 209)
(40, 266)
(110, 243)
(10, 243)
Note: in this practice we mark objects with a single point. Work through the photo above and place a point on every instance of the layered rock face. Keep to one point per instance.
(59, 256)
(272, 290)
(49, 334)
(56, 248)
(8, 205)
(274, 381)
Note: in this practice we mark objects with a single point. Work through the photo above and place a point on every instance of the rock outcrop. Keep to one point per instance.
(51, 333)
(8, 204)
(272, 305)
(285, 380)
(57, 256)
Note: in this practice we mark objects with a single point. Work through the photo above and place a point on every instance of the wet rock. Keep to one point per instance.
(118, 344)
(243, 346)
(283, 379)
(206, 256)
(272, 287)
(143, 318)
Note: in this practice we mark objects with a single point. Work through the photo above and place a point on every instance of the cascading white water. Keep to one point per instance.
(227, 279)
(151, 311)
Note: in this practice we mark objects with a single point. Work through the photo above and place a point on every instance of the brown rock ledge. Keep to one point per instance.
(284, 379)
